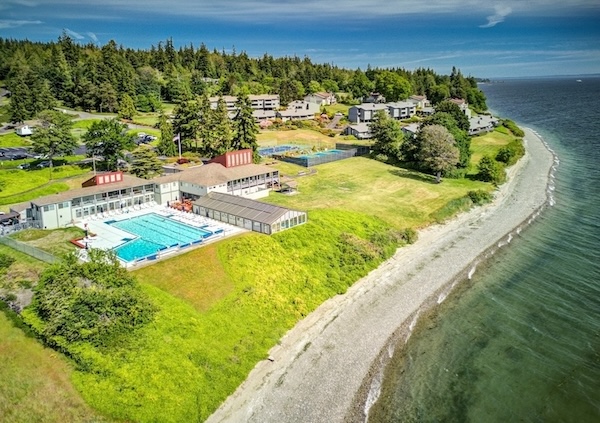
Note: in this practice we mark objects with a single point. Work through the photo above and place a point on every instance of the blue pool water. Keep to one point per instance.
(155, 233)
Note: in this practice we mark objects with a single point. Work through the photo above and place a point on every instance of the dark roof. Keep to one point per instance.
(214, 174)
(8, 216)
(242, 207)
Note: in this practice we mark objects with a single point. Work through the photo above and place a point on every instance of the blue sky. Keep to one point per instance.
(480, 37)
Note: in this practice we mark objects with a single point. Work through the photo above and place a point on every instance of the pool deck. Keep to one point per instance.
(107, 237)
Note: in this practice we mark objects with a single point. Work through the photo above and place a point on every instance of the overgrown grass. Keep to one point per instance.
(24, 271)
(55, 241)
(36, 382)
(197, 351)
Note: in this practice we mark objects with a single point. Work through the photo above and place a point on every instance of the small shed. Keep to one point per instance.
(24, 130)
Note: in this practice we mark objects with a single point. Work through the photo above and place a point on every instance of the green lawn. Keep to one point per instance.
(403, 198)
(14, 140)
(21, 185)
(489, 144)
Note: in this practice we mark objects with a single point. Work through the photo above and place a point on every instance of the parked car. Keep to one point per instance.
(24, 166)
(18, 156)
(45, 163)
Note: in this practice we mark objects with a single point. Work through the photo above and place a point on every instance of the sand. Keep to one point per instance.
(327, 367)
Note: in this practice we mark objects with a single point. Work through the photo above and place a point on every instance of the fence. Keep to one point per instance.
(24, 248)
(318, 158)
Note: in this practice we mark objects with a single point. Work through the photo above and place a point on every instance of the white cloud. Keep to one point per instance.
(501, 13)
(74, 34)
(5, 23)
(92, 36)
(265, 11)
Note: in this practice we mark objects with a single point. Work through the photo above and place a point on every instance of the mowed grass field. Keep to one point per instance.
(306, 137)
(489, 144)
(402, 198)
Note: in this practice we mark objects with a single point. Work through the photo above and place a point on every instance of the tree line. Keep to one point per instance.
(113, 78)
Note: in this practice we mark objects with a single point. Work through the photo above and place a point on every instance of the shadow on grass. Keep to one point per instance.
(413, 174)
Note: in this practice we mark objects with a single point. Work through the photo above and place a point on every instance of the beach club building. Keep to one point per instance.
(232, 174)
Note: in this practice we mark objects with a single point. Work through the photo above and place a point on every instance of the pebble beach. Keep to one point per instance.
(327, 368)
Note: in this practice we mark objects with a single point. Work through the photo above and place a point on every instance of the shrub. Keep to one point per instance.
(6, 261)
(511, 153)
(512, 127)
(489, 170)
(183, 160)
(381, 158)
(97, 302)
(479, 197)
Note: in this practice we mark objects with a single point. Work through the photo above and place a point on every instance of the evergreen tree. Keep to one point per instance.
(53, 137)
(186, 122)
(107, 98)
(245, 128)
(388, 136)
(145, 163)
(166, 146)
(220, 133)
(127, 107)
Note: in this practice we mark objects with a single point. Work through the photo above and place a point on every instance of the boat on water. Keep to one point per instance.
(578, 80)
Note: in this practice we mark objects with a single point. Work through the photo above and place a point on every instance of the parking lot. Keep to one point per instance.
(21, 153)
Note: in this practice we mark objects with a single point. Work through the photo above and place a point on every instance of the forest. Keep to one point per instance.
(112, 77)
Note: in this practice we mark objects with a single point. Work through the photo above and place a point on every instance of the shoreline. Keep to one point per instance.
(327, 367)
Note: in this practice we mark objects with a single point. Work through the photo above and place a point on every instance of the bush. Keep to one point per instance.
(6, 261)
(512, 127)
(480, 197)
(381, 158)
(511, 153)
(489, 170)
(97, 302)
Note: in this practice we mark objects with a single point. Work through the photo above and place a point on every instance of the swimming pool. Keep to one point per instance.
(154, 233)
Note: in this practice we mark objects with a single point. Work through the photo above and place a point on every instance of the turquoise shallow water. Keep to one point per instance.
(521, 340)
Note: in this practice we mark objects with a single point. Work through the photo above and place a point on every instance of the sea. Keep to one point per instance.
(520, 340)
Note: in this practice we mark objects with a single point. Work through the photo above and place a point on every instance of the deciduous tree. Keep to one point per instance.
(108, 139)
(437, 151)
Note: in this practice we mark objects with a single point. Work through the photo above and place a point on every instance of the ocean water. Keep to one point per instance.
(520, 341)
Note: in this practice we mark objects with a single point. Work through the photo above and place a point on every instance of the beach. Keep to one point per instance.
(327, 368)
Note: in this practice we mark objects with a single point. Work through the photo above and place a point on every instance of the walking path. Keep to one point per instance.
(323, 369)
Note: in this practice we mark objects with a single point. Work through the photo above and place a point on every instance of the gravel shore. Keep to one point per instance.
(326, 368)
